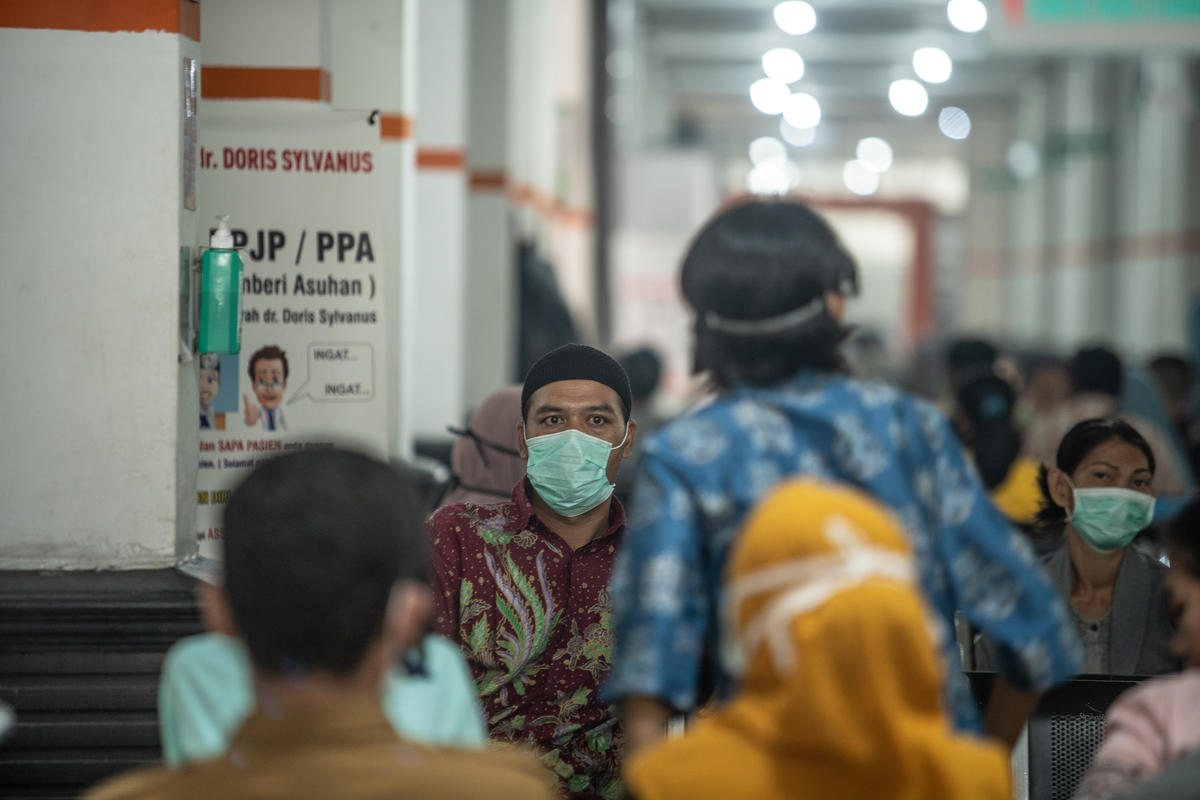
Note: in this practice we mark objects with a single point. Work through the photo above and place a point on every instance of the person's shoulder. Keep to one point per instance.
(872, 393)
(1157, 569)
(456, 514)
(208, 648)
(707, 421)
(143, 784)
(1160, 694)
(506, 772)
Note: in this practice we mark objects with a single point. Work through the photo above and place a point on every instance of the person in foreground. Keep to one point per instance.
(840, 692)
(205, 693)
(522, 586)
(768, 281)
(323, 559)
(1155, 727)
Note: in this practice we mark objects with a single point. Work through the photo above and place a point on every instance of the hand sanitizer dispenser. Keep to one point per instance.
(220, 294)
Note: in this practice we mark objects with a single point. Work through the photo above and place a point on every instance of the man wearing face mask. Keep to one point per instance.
(522, 586)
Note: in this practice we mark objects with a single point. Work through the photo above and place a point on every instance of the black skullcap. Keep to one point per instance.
(577, 362)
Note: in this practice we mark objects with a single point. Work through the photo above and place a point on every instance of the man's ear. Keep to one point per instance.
(408, 615)
(214, 609)
(1060, 490)
(630, 439)
(521, 448)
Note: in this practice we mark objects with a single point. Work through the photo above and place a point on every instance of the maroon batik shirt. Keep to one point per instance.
(533, 619)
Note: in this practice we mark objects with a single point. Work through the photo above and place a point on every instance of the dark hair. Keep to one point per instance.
(1097, 369)
(758, 260)
(971, 354)
(1173, 375)
(986, 403)
(262, 353)
(1074, 447)
(644, 368)
(314, 542)
(1183, 539)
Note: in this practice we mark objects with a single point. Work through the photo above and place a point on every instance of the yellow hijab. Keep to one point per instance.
(840, 695)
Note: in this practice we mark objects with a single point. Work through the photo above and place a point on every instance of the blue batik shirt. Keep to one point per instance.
(700, 476)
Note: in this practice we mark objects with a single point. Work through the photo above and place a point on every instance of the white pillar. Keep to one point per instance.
(1026, 303)
(1153, 279)
(1081, 262)
(984, 280)
(490, 321)
(100, 441)
(373, 64)
(438, 277)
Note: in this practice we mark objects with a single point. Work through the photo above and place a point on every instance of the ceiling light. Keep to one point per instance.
(795, 17)
(802, 110)
(859, 179)
(874, 153)
(769, 96)
(969, 16)
(908, 97)
(932, 64)
(767, 148)
(772, 177)
(954, 122)
(797, 137)
(783, 64)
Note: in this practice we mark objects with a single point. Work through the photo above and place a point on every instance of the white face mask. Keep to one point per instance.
(1109, 518)
(812, 582)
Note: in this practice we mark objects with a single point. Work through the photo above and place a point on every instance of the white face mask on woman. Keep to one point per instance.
(1109, 519)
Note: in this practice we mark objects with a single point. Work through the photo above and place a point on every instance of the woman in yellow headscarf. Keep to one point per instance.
(840, 685)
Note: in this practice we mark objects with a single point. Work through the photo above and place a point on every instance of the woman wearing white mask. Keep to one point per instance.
(1098, 497)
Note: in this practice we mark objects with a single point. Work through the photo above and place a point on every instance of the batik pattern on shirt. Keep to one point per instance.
(701, 475)
(533, 618)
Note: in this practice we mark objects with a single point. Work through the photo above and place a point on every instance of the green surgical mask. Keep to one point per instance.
(569, 470)
(1109, 519)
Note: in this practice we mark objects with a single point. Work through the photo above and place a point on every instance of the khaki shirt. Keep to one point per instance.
(349, 751)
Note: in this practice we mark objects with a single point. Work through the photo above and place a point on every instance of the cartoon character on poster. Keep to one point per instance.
(217, 396)
(268, 370)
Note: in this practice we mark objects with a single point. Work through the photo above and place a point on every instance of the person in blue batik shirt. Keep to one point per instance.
(768, 282)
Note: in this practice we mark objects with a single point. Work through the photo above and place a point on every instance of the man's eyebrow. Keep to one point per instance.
(546, 409)
(1099, 463)
(603, 407)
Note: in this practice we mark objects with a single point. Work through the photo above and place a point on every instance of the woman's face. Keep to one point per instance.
(1183, 597)
(1115, 464)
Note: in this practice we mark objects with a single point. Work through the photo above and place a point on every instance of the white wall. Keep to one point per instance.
(91, 222)
(438, 272)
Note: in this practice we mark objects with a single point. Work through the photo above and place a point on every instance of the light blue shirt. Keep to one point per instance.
(205, 694)
(700, 476)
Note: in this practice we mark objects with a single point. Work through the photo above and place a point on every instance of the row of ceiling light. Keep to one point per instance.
(801, 112)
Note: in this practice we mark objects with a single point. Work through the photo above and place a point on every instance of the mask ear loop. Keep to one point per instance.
(481, 443)
(1070, 514)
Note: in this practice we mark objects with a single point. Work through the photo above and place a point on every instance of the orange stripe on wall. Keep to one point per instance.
(430, 158)
(395, 126)
(547, 205)
(264, 83)
(483, 179)
(104, 16)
